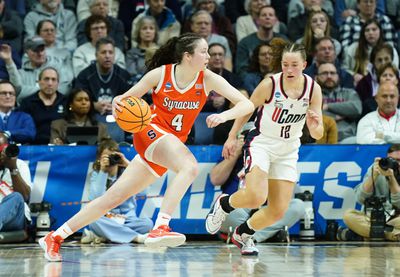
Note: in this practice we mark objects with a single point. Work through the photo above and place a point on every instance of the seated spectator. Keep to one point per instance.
(47, 30)
(266, 21)
(116, 30)
(299, 11)
(18, 126)
(346, 8)
(386, 73)
(225, 174)
(343, 104)
(317, 27)
(246, 24)
(367, 87)
(145, 38)
(11, 27)
(168, 25)
(79, 111)
(46, 105)
(96, 27)
(259, 67)
(383, 125)
(64, 19)
(350, 29)
(83, 8)
(15, 190)
(121, 224)
(25, 79)
(201, 22)
(104, 79)
(220, 23)
(380, 183)
(356, 57)
(325, 53)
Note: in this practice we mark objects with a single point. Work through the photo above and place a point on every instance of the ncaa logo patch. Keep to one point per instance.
(278, 94)
(168, 85)
(198, 86)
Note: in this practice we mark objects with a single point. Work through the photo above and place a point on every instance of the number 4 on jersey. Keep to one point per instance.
(177, 122)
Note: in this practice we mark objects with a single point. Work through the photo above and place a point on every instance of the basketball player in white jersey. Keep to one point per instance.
(285, 101)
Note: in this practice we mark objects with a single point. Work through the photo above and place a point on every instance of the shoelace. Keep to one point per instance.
(55, 246)
(219, 217)
(164, 228)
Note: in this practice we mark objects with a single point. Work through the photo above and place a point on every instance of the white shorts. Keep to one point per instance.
(277, 158)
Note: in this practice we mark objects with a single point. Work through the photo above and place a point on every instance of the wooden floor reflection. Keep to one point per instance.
(206, 259)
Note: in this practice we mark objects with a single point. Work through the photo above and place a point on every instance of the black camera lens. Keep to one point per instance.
(114, 159)
(11, 151)
(388, 162)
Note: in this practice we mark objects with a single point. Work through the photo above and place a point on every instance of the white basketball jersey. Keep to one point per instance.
(282, 117)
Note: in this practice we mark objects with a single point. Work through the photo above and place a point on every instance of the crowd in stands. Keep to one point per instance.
(51, 48)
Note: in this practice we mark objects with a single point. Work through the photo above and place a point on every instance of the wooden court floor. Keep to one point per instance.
(206, 258)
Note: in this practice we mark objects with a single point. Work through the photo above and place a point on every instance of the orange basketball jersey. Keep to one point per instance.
(175, 109)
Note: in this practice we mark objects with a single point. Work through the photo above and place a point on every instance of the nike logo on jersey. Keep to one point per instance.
(283, 116)
(168, 90)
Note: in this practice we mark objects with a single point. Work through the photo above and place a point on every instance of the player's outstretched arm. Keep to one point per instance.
(260, 94)
(242, 105)
(314, 114)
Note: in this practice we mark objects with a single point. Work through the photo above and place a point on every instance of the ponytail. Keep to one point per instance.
(279, 47)
(172, 51)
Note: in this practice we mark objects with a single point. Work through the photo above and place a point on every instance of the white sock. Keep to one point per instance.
(64, 231)
(162, 219)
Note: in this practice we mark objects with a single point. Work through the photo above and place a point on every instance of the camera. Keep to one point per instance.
(10, 150)
(388, 162)
(307, 231)
(378, 217)
(43, 221)
(114, 159)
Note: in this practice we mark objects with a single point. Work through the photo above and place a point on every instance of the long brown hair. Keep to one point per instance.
(361, 55)
(172, 51)
(308, 40)
(279, 47)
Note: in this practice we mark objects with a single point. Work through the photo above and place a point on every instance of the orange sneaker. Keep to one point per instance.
(51, 246)
(163, 237)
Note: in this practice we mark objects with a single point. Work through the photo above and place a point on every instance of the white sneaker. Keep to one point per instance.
(216, 216)
(245, 243)
(89, 236)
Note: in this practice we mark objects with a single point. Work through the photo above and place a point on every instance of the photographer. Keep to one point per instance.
(15, 188)
(379, 188)
(121, 224)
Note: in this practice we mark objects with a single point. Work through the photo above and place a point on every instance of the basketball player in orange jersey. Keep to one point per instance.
(285, 101)
(180, 83)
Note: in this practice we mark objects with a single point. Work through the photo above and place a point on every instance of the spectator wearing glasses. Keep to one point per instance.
(343, 104)
(96, 27)
(17, 125)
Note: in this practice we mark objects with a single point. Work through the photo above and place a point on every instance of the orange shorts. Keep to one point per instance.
(145, 142)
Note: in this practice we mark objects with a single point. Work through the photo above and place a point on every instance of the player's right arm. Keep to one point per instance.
(261, 93)
(149, 81)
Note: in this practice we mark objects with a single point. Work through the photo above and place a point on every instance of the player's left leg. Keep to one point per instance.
(171, 153)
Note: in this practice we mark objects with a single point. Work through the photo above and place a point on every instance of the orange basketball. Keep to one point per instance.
(135, 115)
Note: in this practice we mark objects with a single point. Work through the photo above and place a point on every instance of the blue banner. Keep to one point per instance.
(60, 175)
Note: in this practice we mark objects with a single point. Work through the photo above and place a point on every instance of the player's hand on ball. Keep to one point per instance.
(117, 105)
(214, 120)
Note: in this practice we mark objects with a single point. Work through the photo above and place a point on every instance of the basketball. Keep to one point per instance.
(135, 115)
